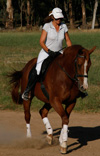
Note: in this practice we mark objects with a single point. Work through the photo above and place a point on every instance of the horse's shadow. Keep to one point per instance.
(82, 134)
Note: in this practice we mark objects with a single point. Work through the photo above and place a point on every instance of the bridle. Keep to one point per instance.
(76, 72)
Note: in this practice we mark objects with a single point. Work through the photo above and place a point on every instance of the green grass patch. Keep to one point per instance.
(17, 48)
(86, 39)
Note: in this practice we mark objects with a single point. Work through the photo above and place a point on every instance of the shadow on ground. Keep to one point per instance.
(82, 135)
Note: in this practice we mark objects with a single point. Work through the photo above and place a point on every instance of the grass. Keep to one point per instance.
(17, 48)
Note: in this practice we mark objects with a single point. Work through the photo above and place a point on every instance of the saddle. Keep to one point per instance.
(46, 64)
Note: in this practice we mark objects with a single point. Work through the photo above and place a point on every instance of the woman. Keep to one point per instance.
(51, 39)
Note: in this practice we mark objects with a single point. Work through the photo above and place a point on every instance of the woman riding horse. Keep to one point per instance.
(65, 80)
(51, 39)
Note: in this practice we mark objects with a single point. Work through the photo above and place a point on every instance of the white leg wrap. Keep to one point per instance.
(64, 134)
(28, 130)
(47, 125)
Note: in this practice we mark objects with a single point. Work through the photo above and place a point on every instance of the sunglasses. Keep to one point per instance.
(58, 19)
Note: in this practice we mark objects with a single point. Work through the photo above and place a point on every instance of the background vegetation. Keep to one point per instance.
(17, 48)
(29, 13)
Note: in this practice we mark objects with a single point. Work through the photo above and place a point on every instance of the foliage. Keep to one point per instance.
(41, 8)
(2, 13)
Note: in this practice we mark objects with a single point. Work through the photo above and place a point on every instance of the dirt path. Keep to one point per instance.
(84, 135)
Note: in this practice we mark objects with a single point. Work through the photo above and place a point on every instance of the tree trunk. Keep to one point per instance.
(65, 6)
(94, 13)
(71, 14)
(9, 21)
(28, 14)
(55, 3)
(21, 14)
(83, 15)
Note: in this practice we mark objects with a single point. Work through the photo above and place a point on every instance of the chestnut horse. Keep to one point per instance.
(64, 81)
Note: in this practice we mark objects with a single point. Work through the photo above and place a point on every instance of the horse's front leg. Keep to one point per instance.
(26, 105)
(69, 108)
(44, 112)
(57, 105)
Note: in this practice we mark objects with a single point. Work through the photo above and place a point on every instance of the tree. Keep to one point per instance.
(71, 14)
(21, 4)
(33, 12)
(28, 14)
(94, 13)
(65, 7)
(21, 14)
(9, 22)
(2, 13)
(83, 14)
(55, 2)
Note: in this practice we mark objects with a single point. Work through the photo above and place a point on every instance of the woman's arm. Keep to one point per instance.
(67, 38)
(42, 40)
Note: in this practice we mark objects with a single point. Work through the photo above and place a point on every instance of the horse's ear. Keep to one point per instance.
(90, 51)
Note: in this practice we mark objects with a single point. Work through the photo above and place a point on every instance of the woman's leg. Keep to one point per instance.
(33, 77)
(41, 57)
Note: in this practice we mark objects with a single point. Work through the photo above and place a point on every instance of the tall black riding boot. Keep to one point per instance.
(31, 84)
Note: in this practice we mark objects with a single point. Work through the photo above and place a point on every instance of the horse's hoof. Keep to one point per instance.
(50, 139)
(29, 135)
(63, 147)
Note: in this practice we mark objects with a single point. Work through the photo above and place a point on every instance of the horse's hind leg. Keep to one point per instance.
(26, 105)
(44, 112)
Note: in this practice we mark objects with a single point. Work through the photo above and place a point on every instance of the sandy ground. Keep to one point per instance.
(84, 135)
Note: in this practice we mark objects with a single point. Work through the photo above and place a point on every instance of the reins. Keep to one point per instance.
(73, 79)
(48, 54)
(76, 74)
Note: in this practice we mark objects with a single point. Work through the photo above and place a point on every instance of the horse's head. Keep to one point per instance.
(82, 65)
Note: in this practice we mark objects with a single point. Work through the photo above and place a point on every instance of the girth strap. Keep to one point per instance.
(44, 90)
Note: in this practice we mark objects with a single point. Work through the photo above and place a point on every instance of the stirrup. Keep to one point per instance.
(25, 96)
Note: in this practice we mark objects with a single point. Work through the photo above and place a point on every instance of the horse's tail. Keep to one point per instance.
(15, 79)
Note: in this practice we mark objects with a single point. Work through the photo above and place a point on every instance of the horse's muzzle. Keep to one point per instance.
(83, 88)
